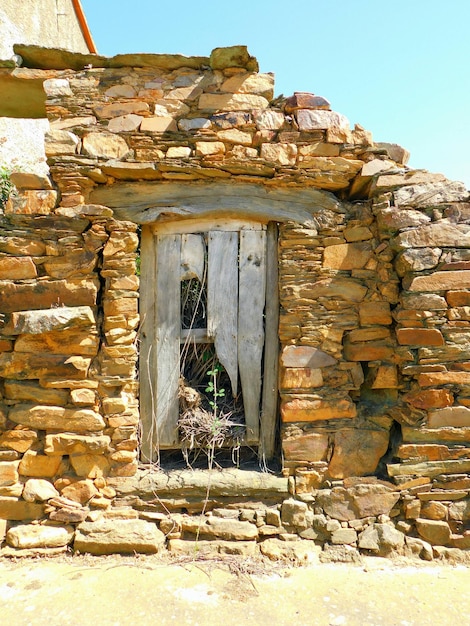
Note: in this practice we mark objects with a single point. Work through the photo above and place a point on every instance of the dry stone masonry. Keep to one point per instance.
(374, 327)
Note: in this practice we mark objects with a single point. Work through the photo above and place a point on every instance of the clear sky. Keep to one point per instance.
(400, 68)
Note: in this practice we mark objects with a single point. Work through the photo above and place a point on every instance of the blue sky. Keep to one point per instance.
(400, 68)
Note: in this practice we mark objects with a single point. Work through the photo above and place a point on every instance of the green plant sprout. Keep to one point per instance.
(6, 186)
(213, 389)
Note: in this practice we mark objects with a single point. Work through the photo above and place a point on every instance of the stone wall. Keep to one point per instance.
(374, 312)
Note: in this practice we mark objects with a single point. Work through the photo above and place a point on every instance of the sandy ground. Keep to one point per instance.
(120, 591)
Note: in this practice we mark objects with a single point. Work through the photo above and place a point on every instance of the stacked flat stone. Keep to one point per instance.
(374, 326)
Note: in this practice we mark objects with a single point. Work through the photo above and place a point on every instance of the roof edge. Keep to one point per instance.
(84, 26)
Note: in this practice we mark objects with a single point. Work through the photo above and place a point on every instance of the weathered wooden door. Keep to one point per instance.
(237, 263)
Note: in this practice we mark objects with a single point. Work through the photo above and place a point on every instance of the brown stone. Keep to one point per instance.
(19, 440)
(158, 124)
(71, 341)
(301, 378)
(24, 366)
(430, 379)
(458, 298)
(232, 102)
(17, 268)
(429, 398)
(371, 333)
(31, 392)
(347, 256)
(118, 536)
(420, 337)
(45, 294)
(375, 312)
(8, 473)
(56, 418)
(30, 536)
(18, 510)
(309, 447)
(357, 452)
(439, 281)
(91, 465)
(385, 377)
(39, 465)
(305, 357)
(104, 144)
(436, 435)
(31, 202)
(454, 416)
(306, 410)
(429, 452)
(436, 532)
(118, 109)
(80, 491)
(65, 443)
(368, 351)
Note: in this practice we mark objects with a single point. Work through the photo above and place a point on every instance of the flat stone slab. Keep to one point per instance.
(229, 482)
(111, 536)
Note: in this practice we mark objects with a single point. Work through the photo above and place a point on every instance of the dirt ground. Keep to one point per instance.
(120, 591)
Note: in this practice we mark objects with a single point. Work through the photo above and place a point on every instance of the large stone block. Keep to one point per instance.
(56, 418)
(440, 234)
(368, 351)
(309, 447)
(439, 281)
(8, 473)
(43, 321)
(347, 256)
(313, 410)
(118, 536)
(306, 357)
(228, 529)
(32, 202)
(31, 392)
(301, 378)
(232, 102)
(436, 532)
(27, 366)
(66, 443)
(420, 337)
(30, 536)
(77, 341)
(118, 109)
(375, 312)
(454, 416)
(39, 465)
(357, 452)
(14, 509)
(19, 440)
(308, 119)
(47, 294)
(17, 268)
(104, 144)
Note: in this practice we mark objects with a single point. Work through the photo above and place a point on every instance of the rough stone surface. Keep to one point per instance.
(118, 536)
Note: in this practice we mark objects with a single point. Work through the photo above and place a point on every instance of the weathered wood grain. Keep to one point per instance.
(168, 325)
(222, 300)
(252, 288)
(269, 405)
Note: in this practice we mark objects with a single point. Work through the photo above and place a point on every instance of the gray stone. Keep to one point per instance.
(299, 552)
(105, 145)
(431, 194)
(321, 120)
(29, 536)
(61, 142)
(124, 536)
(416, 260)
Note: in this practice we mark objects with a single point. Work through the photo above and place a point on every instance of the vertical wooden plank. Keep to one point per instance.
(148, 353)
(252, 287)
(168, 326)
(222, 299)
(269, 405)
(192, 257)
